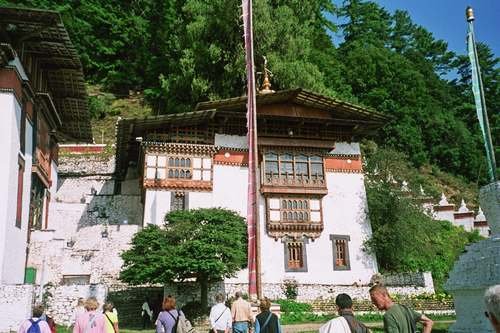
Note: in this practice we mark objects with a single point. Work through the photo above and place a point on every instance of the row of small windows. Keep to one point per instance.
(179, 173)
(179, 162)
(294, 216)
(296, 257)
(294, 204)
(293, 165)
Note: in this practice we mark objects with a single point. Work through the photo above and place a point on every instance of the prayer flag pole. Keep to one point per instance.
(254, 289)
(479, 100)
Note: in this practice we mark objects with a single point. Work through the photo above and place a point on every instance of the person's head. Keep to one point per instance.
(91, 304)
(108, 306)
(492, 301)
(380, 297)
(169, 303)
(80, 302)
(38, 310)
(238, 294)
(343, 302)
(264, 304)
(220, 298)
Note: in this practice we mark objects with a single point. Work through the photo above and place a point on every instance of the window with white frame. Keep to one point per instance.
(178, 167)
(294, 210)
(156, 166)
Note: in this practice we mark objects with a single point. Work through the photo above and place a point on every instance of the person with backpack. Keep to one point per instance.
(90, 321)
(111, 318)
(36, 324)
(169, 319)
(345, 322)
(266, 321)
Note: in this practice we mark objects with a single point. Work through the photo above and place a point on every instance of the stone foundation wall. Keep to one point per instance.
(15, 305)
(62, 300)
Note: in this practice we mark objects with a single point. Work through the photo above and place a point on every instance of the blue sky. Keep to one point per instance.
(446, 19)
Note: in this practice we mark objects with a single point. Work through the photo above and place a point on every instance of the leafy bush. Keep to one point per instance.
(303, 317)
(290, 288)
(289, 306)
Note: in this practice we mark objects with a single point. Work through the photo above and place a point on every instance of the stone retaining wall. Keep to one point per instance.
(15, 305)
(62, 300)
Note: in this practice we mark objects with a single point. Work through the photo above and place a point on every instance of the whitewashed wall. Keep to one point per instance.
(344, 212)
(15, 306)
(12, 239)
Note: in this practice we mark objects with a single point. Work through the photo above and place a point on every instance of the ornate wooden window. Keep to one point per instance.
(179, 167)
(295, 256)
(156, 166)
(340, 245)
(294, 216)
(179, 201)
(293, 169)
(294, 210)
(293, 165)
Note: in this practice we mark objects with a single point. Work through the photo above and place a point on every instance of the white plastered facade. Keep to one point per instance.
(344, 211)
(12, 238)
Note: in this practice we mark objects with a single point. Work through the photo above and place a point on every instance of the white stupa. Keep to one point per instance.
(477, 269)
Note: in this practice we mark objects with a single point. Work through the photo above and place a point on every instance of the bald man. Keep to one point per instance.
(397, 318)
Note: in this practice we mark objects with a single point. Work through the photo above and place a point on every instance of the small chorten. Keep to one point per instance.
(480, 215)
(463, 207)
(443, 201)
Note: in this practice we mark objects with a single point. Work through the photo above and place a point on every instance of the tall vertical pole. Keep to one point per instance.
(478, 91)
(254, 289)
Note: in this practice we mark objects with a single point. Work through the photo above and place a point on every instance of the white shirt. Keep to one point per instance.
(224, 321)
(336, 325)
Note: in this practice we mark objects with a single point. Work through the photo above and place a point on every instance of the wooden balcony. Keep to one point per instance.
(293, 185)
(41, 166)
(295, 229)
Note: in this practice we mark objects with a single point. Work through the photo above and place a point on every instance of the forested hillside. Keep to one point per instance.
(176, 53)
(180, 52)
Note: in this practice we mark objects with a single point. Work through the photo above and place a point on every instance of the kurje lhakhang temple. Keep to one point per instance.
(312, 201)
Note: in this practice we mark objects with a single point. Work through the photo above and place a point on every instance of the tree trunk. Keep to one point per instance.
(204, 292)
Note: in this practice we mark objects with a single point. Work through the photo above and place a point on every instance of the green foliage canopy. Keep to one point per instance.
(404, 238)
(208, 244)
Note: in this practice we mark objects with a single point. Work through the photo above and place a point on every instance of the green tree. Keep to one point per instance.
(405, 238)
(208, 244)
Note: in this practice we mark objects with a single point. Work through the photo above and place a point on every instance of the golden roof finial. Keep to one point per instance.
(266, 84)
(469, 13)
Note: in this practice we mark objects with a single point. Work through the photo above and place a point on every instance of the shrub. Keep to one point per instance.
(290, 288)
(290, 306)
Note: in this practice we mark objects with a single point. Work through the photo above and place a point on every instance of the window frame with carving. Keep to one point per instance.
(337, 241)
(290, 164)
(179, 201)
(295, 248)
(295, 207)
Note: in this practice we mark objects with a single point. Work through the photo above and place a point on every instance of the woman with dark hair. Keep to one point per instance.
(266, 321)
(168, 318)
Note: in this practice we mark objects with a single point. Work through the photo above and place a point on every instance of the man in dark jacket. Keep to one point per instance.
(346, 320)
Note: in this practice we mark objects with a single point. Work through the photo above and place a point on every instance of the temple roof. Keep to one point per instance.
(338, 108)
(41, 34)
(333, 113)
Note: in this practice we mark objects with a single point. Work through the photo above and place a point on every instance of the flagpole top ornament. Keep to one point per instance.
(266, 84)
(469, 13)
